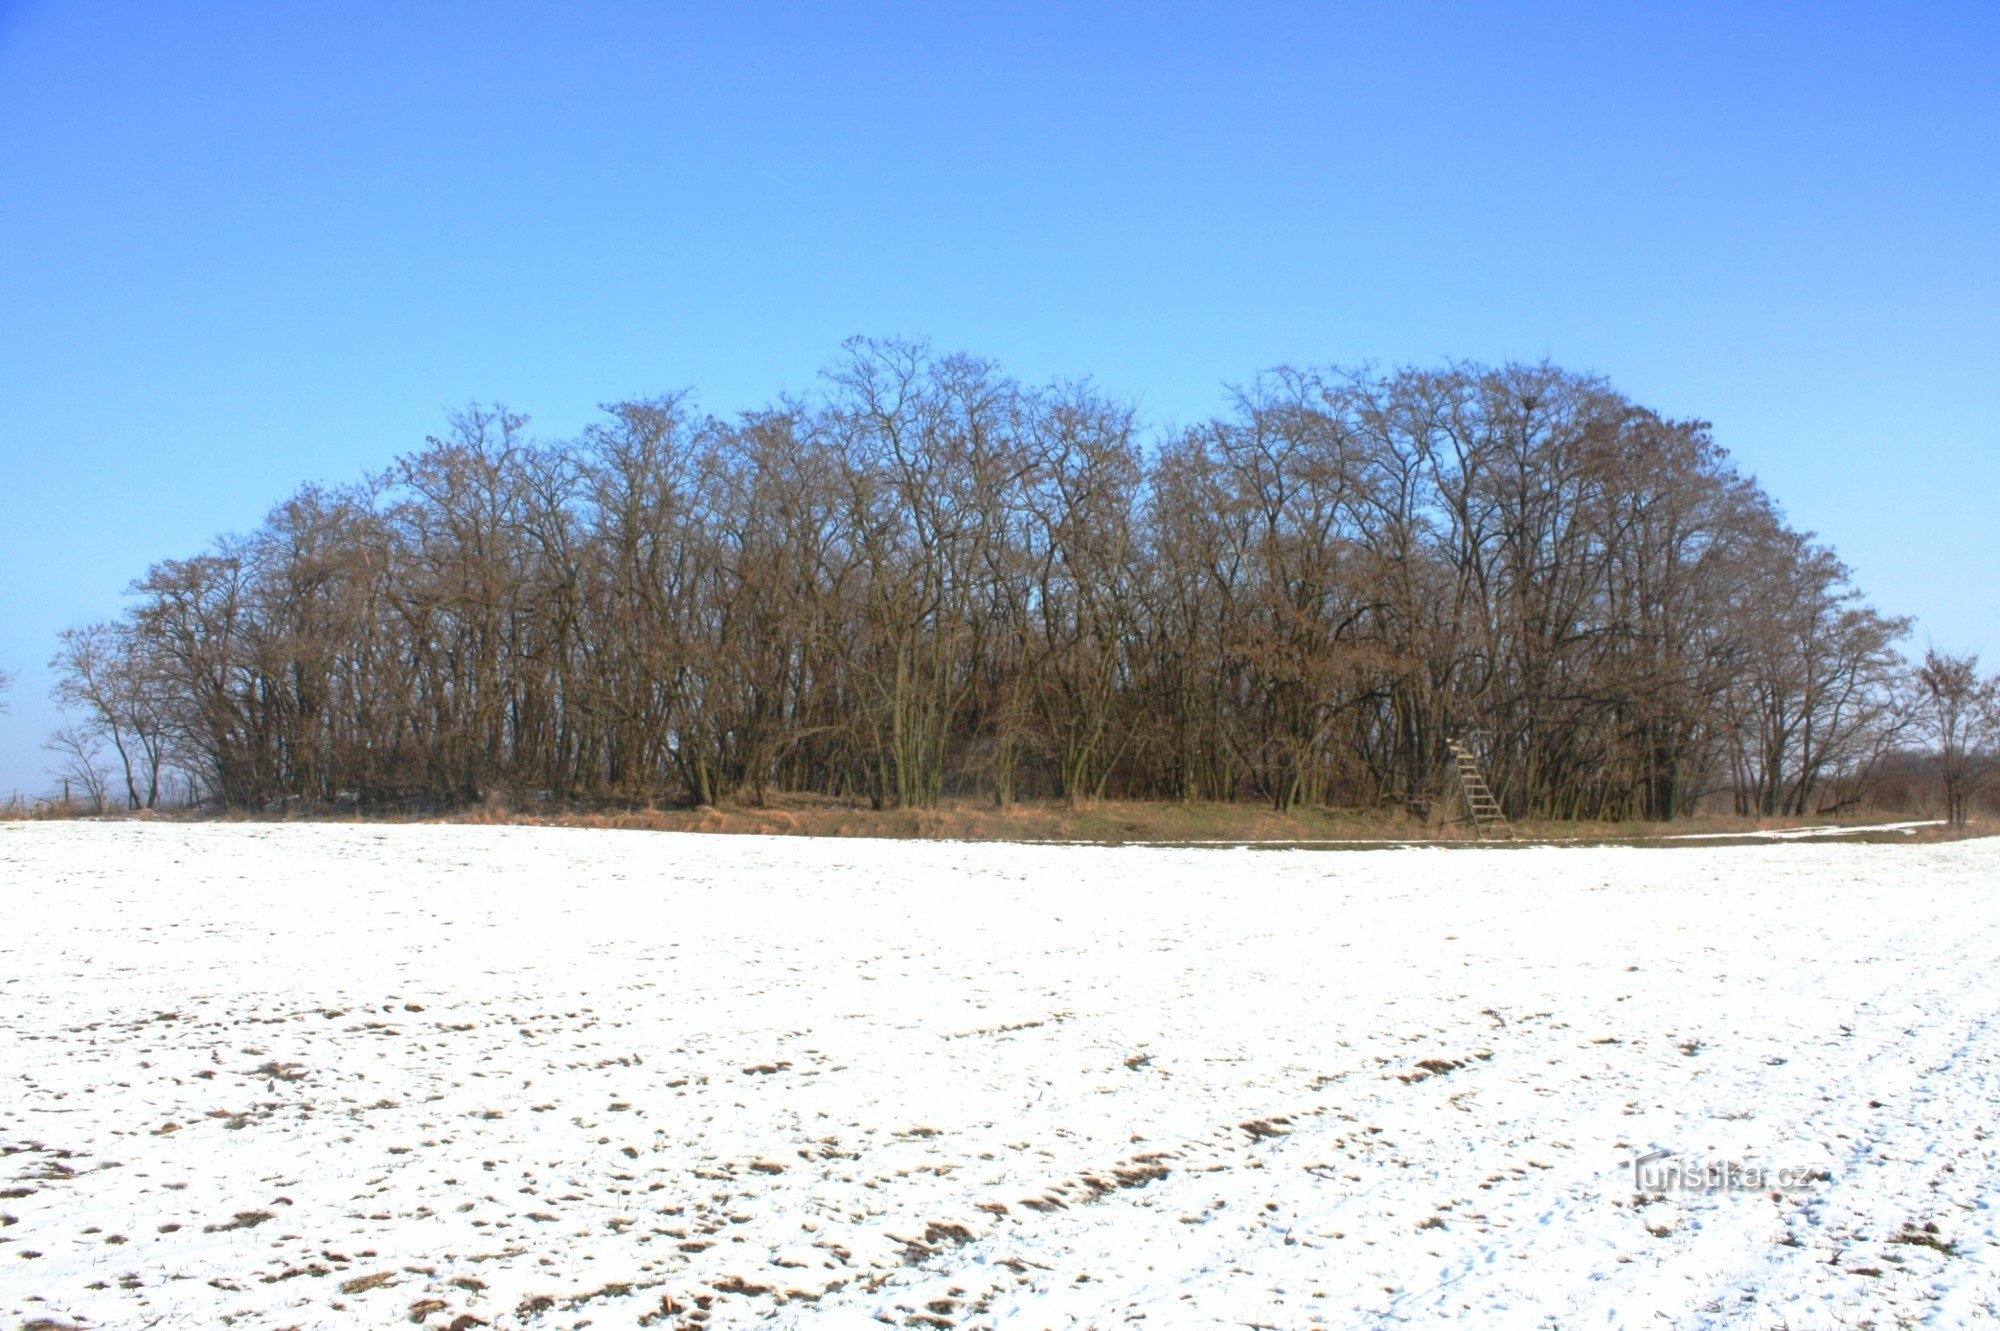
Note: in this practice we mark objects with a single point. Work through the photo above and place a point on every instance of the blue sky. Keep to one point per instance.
(242, 247)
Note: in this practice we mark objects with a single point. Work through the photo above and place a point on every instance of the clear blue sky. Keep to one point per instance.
(243, 246)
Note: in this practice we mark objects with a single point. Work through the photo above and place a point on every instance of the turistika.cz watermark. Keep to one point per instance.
(1662, 1171)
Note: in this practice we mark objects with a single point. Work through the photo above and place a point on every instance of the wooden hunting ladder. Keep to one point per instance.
(1479, 802)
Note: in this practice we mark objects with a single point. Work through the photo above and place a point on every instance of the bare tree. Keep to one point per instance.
(1958, 711)
(79, 767)
(101, 674)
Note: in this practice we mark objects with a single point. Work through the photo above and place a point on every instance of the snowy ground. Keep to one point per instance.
(366, 1076)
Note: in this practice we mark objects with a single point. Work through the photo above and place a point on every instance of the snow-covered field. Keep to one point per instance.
(366, 1076)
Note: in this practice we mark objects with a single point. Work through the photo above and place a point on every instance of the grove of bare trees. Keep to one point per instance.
(931, 581)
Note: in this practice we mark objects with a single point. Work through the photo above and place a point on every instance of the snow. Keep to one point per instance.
(351, 1075)
(1802, 833)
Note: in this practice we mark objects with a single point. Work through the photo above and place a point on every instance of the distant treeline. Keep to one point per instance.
(931, 581)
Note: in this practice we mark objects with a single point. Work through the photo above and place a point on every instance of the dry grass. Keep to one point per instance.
(1108, 822)
(1113, 822)
(21, 809)
(1105, 822)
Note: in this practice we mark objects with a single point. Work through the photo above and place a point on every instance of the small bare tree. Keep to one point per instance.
(78, 768)
(1959, 712)
(103, 679)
